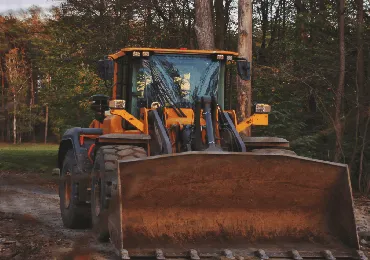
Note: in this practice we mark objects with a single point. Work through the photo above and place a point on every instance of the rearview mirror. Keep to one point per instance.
(99, 104)
(106, 69)
(244, 69)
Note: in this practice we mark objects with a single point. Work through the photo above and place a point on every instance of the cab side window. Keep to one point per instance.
(122, 78)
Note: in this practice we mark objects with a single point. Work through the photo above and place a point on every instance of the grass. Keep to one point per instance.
(28, 157)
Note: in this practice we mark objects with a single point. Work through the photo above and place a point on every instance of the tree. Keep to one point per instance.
(245, 51)
(204, 25)
(222, 11)
(3, 117)
(295, 59)
(18, 79)
(340, 90)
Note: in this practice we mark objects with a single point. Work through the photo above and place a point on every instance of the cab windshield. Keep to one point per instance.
(174, 80)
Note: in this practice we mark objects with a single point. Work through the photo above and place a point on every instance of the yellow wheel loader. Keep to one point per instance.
(163, 171)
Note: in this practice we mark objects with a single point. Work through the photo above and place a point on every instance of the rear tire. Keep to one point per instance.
(103, 176)
(75, 215)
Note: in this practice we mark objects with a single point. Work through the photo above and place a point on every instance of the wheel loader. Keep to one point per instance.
(163, 171)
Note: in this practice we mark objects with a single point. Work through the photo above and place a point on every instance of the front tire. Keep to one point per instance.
(74, 214)
(103, 177)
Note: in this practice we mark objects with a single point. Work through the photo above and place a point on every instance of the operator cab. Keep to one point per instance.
(175, 80)
(176, 97)
(153, 78)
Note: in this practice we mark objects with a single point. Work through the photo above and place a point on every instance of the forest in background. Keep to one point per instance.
(310, 62)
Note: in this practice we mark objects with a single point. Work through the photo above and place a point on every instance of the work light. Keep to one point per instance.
(117, 104)
(262, 108)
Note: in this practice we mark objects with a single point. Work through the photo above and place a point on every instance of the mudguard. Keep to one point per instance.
(70, 140)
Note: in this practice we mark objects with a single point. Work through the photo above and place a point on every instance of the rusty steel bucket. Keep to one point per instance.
(202, 204)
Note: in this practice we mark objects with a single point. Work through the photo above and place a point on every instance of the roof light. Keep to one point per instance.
(220, 57)
(136, 54)
(146, 54)
(229, 58)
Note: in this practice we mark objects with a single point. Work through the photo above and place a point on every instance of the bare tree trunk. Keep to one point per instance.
(34, 89)
(264, 14)
(204, 24)
(359, 74)
(360, 87)
(360, 49)
(14, 119)
(46, 122)
(284, 18)
(340, 90)
(360, 177)
(227, 22)
(301, 9)
(32, 100)
(3, 130)
(275, 24)
(9, 128)
(190, 30)
(354, 152)
(245, 51)
(220, 24)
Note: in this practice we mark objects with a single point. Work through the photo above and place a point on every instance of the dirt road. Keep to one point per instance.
(31, 226)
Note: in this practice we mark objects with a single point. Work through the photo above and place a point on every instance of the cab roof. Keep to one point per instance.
(123, 52)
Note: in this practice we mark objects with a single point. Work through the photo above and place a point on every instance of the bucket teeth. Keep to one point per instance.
(194, 254)
(159, 254)
(124, 254)
(328, 255)
(228, 254)
(296, 255)
(261, 254)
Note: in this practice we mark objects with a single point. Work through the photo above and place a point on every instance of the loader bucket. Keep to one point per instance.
(233, 204)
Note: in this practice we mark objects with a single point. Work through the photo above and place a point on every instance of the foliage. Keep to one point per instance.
(295, 64)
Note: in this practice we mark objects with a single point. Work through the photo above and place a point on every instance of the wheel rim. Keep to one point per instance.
(67, 190)
(97, 198)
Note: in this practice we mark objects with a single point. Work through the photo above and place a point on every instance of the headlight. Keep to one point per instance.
(263, 108)
(117, 104)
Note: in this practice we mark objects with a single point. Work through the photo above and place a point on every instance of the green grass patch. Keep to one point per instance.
(28, 157)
